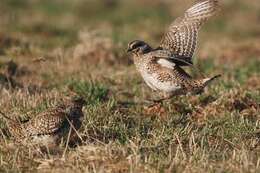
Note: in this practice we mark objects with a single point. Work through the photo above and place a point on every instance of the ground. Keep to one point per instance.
(52, 49)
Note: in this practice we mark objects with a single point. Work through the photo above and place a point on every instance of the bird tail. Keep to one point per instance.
(209, 80)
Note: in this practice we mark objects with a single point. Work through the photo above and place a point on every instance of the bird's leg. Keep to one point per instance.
(154, 102)
(166, 96)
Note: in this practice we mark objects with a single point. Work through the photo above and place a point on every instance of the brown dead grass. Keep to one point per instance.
(217, 131)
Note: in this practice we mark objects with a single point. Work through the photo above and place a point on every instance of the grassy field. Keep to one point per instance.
(51, 49)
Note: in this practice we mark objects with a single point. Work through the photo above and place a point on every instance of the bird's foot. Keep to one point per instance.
(152, 102)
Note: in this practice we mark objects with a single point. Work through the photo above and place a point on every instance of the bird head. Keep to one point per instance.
(78, 101)
(138, 47)
(74, 108)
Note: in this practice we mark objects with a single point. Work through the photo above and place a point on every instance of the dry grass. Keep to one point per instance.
(79, 46)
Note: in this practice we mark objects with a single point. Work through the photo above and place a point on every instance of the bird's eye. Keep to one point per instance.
(138, 49)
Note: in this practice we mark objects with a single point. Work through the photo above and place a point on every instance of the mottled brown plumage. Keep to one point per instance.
(50, 127)
(181, 37)
(161, 67)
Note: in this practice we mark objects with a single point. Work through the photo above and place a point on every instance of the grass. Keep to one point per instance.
(68, 47)
(92, 92)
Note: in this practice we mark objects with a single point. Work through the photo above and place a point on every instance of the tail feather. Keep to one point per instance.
(209, 80)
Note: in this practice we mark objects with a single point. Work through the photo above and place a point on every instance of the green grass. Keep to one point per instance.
(217, 131)
(92, 92)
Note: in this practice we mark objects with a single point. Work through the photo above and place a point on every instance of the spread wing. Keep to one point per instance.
(181, 37)
(46, 123)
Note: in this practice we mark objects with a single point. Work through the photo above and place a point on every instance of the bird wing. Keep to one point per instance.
(181, 37)
(47, 122)
(166, 59)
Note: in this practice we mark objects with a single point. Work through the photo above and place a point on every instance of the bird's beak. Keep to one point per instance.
(129, 50)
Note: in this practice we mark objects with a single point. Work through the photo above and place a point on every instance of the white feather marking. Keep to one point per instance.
(166, 63)
(152, 81)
